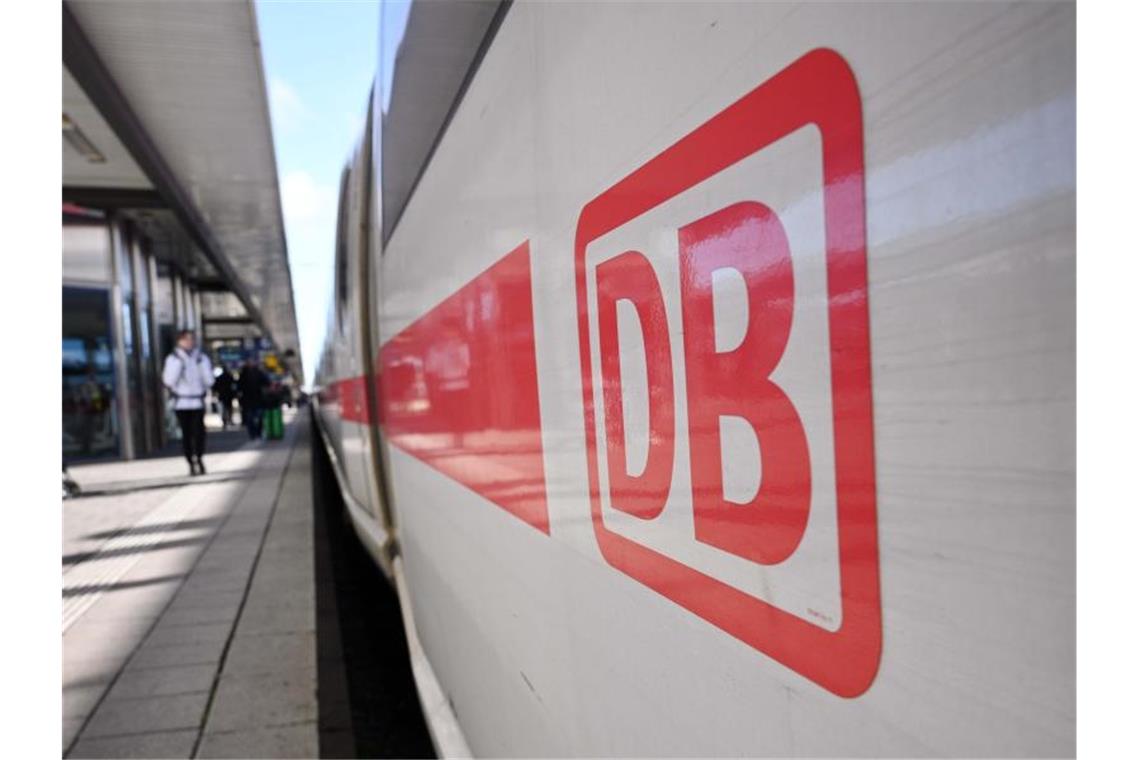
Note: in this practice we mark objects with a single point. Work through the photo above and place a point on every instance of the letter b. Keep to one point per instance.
(749, 238)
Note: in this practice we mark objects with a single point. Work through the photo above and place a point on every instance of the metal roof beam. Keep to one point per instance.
(111, 198)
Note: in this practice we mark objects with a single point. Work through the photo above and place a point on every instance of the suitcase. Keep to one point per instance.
(274, 426)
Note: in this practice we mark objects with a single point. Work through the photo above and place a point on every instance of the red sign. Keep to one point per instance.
(748, 237)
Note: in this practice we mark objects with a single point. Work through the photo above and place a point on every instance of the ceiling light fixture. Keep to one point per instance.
(76, 139)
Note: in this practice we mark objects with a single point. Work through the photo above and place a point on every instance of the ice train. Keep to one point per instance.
(703, 374)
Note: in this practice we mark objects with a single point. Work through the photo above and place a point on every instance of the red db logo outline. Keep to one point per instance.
(818, 89)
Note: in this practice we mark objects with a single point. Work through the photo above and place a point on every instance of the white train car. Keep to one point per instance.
(704, 375)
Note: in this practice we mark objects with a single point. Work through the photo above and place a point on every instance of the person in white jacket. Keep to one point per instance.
(188, 376)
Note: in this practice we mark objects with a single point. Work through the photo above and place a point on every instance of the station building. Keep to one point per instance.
(170, 209)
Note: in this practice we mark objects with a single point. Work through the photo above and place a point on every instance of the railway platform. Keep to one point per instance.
(189, 605)
(229, 615)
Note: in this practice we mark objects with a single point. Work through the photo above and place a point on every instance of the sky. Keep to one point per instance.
(320, 59)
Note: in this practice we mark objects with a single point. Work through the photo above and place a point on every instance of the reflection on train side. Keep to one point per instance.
(442, 383)
(406, 388)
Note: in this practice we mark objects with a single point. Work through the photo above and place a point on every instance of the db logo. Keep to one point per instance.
(722, 306)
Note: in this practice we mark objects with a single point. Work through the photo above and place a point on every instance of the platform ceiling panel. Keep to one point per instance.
(118, 169)
(192, 73)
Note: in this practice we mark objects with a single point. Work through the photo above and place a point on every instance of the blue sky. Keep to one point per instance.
(320, 59)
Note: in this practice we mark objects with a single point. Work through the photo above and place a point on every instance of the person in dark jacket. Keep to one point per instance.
(225, 389)
(251, 396)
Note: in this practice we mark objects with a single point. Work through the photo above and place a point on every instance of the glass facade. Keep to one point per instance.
(90, 417)
(90, 421)
(113, 404)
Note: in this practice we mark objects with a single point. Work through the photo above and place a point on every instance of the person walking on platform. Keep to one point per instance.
(225, 388)
(251, 396)
(188, 376)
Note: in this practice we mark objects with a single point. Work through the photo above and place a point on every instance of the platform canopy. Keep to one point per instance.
(172, 96)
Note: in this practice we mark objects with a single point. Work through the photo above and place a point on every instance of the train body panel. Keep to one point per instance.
(358, 418)
(625, 196)
(347, 408)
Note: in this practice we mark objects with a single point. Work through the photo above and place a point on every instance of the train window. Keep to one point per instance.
(342, 247)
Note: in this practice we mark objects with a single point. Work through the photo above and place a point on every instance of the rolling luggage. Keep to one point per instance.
(274, 426)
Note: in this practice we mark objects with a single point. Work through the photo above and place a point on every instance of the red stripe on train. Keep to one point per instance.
(349, 397)
(353, 396)
(459, 390)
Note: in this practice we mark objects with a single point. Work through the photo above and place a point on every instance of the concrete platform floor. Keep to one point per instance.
(189, 606)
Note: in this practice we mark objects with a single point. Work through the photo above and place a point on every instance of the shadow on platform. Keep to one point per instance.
(217, 442)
